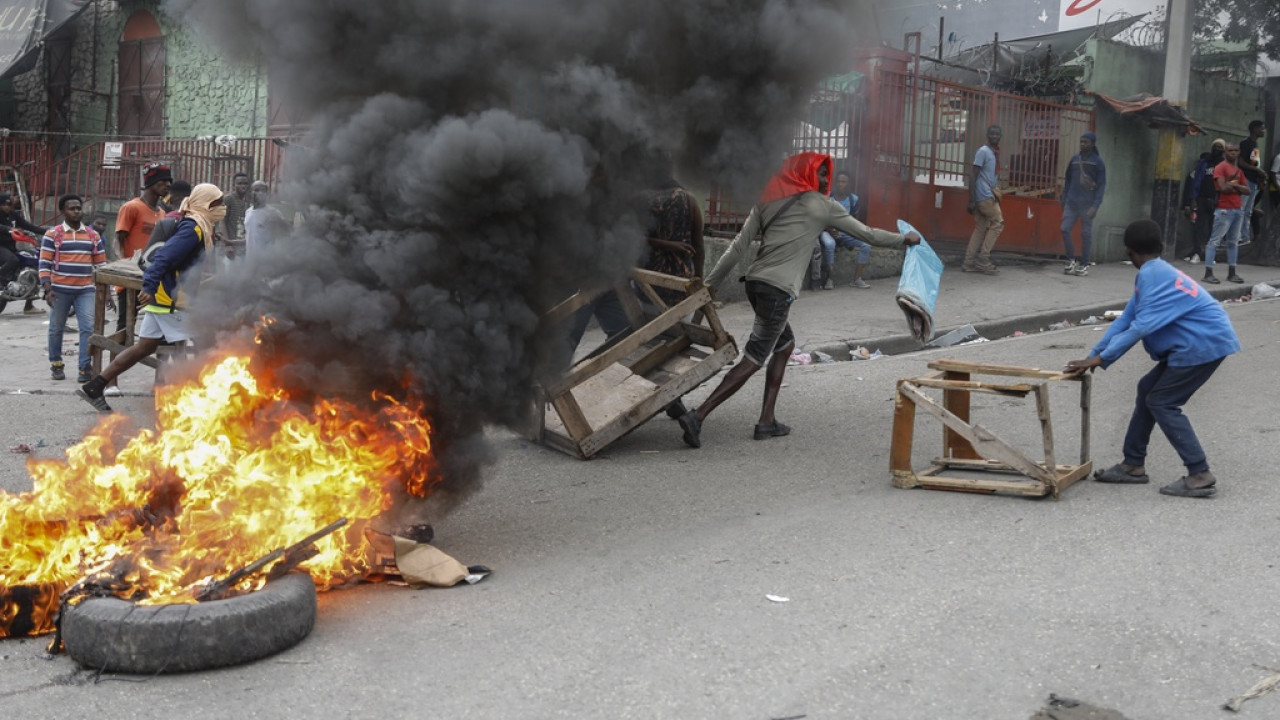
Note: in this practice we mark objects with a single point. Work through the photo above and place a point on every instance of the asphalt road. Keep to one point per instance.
(634, 585)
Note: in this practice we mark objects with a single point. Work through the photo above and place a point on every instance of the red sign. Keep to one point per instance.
(1078, 6)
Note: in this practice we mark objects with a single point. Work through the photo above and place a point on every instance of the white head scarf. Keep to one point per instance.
(196, 207)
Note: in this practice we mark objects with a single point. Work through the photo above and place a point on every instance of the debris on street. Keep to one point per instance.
(1260, 688)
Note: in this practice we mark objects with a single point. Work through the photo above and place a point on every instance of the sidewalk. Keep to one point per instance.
(1027, 297)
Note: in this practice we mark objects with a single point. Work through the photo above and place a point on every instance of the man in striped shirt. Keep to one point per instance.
(68, 254)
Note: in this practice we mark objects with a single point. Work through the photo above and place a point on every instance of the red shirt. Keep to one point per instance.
(1229, 173)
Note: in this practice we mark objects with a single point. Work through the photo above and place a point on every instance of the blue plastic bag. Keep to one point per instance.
(918, 288)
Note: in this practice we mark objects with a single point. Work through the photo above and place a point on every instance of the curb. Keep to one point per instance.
(1003, 327)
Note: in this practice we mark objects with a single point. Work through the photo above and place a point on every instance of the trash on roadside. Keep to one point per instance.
(876, 355)
(1060, 325)
(1091, 320)
(963, 334)
(799, 358)
(822, 358)
(859, 353)
(1262, 291)
(1237, 300)
(1260, 688)
(1018, 333)
(918, 285)
(1112, 314)
(20, 448)
(777, 598)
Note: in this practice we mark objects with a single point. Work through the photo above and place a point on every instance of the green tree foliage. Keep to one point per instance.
(1255, 21)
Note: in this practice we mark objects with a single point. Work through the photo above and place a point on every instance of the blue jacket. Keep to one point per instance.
(1175, 318)
(178, 255)
(1086, 181)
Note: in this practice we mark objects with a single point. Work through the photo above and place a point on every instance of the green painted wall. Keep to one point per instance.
(1222, 107)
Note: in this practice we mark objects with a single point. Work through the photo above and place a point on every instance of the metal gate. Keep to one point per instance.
(142, 78)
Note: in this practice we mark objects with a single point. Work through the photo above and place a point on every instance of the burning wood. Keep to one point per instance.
(236, 469)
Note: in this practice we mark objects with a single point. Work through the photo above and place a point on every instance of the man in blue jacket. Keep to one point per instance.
(1188, 334)
(174, 270)
(1082, 191)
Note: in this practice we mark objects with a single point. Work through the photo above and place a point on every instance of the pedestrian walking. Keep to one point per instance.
(1082, 191)
(984, 206)
(69, 251)
(1188, 334)
(793, 209)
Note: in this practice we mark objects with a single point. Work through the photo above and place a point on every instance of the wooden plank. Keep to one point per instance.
(658, 401)
(1046, 428)
(904, 421)
(662, 280)
(1003, 370)
(982, 439)
(658, 356)
(627, 345)
(957, 403)
(652, 295)
(561, 312)
(571, 415)
(1020, 390)
(101, 294)
(1069, 478)
(611, 393)
(713, 321)
(636, 315)
(702, 336)
(124, 273)
(1017, 487)
(1086, 401)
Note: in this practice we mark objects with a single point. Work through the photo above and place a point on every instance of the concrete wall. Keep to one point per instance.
(1222, 107)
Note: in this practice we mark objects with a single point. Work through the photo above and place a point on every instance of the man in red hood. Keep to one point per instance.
(775, 245)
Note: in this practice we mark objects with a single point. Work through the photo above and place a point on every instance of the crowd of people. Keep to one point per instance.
(168, 228)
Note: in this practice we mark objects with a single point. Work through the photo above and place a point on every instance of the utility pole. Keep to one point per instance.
(1177, 81)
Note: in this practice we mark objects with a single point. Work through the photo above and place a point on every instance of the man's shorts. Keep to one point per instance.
(771, 332)
(164, 326)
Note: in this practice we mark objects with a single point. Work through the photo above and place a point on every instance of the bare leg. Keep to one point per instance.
(773, 382)
(130, 357)
(732, 383)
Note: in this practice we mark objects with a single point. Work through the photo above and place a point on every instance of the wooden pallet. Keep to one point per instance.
(623, 384)
(972, 447)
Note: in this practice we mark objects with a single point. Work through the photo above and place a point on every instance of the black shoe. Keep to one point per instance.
(772, 430)
(676, 409)
(98, 402)
(692, 429)
(1234, 278)
(1210, 280)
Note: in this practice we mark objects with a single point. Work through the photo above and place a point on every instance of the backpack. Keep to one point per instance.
(158, 240)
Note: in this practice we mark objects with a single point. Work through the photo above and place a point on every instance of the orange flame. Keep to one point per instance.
(234, 471)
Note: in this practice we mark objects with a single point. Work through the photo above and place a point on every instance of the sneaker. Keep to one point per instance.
(828, 285)
(860, 284)
(56, 371)
(1243, 242)
(772, 430)
(1080, 270)
(113, 391)
(1070, 269)
(97, 401)
(84, 376)
(1234, 278)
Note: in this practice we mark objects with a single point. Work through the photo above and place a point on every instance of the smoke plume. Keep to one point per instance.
(470, 164)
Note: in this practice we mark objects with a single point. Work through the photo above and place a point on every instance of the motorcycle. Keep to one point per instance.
(26, 286)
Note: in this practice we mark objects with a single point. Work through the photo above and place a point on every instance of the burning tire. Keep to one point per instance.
(118, 636)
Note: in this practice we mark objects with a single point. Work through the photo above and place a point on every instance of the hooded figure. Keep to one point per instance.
(793, 209)
(201, 211)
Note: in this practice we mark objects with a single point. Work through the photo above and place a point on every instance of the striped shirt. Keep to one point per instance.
(68, 257)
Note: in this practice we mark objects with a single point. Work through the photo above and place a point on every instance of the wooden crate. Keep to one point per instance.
(972, 447)
(624, 383)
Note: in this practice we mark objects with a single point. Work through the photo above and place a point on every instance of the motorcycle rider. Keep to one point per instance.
(11, 219)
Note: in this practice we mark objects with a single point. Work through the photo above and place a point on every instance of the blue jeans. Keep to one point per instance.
(1226, 223)
(1161, 395)
(1246, 230)
(847, 242)
(1070, 214)
(64, 304)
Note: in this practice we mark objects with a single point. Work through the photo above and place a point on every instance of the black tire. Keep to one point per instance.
(112, 635)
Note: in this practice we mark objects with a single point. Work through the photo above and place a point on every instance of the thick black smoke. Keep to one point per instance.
(470, 164)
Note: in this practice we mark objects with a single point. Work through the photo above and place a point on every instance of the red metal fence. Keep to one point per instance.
(105, 185)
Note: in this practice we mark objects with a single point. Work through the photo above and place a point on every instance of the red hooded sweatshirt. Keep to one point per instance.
(799, 174)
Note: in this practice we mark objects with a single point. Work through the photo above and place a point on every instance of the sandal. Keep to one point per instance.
(774, 429)
(1118, 475)
(1180, 488)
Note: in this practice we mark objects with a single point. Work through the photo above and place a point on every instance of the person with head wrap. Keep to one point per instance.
(1082, 191)
(173, 273)
(792, 211)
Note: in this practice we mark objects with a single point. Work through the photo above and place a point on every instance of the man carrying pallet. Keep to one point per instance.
(792, 211)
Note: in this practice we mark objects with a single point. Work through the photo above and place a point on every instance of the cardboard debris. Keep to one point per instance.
(420, 564)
